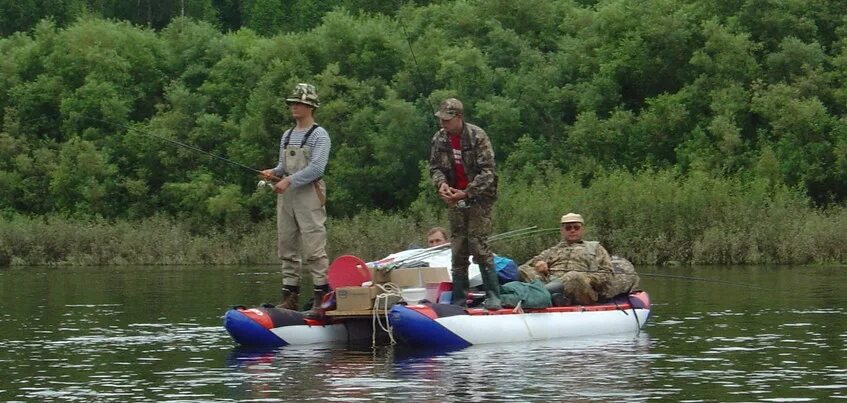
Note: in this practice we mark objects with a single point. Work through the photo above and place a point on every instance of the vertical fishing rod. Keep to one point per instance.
(414, 60)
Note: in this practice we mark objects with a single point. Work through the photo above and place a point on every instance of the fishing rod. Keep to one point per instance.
(188, 146)
(707, 280)
(414, 60)
(508, 234)
(671, 276)
(522, 232)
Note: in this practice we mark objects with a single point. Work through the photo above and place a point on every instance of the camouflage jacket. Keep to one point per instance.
(477, 157)
(563, 258)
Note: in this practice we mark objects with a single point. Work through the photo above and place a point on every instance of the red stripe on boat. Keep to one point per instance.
(259, 317)
(424, 310)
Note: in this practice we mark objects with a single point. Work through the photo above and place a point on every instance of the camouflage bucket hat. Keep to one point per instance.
(304, 94)
(449, 109)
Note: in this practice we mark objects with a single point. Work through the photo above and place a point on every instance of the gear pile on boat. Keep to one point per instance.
(386, 301)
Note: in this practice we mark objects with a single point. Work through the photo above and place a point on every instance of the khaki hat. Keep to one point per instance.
(572, 217)
(304, 94)
(449, 109)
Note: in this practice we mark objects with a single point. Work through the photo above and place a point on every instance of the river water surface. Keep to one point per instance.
(154, 333)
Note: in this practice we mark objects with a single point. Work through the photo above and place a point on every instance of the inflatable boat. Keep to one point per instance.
(449, 326)
(277, 327)
(440, 325)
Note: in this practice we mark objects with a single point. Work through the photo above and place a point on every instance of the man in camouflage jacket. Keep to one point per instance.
(461, 165)
(583, 267)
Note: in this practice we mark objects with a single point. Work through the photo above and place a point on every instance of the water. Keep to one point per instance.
(154, 333)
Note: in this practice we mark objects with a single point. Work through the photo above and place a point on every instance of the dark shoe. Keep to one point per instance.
(492, 289)
(460, 291)
(289, 299)
(559, 299)
(317, 311)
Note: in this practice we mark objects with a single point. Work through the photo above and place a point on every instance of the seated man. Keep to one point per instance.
(584, 268)
(436, 236)
(506, 268)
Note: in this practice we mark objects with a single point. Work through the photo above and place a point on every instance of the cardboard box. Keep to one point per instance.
(355, 298)
(380, 276)
(419, 276)
(384, 302)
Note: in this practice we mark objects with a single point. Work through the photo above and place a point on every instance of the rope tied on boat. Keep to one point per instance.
(382, 299)
(518, 307)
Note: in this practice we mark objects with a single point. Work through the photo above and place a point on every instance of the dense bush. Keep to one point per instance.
(684, 106)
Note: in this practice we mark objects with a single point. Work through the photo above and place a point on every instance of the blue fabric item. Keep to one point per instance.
(507, 269)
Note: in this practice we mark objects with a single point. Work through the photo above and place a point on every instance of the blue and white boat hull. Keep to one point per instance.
(445, 326)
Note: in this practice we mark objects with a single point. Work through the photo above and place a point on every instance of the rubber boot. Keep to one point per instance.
(317, 310)
(460, 291)
(492, 289)
(557, 293)
(290, 297)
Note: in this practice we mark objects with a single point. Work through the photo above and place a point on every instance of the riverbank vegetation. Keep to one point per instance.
(693, 131)
(650, 217)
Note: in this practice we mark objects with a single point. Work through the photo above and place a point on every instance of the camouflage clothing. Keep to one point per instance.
(450, 108)
(584, 268)
(478, 160)
(304, 94)
(624, 279)
(470, 219)
(470, 228)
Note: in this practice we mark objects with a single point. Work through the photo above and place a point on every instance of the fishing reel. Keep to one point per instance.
(263, 184)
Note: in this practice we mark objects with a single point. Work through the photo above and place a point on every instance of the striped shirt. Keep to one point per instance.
(319, 144)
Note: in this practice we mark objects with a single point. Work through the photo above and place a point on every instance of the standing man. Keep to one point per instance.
(301, 214)
(461, 164)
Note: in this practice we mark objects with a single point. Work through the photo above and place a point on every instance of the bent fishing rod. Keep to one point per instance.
(184, 145)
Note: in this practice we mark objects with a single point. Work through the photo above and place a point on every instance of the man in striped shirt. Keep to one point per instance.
(301, 212)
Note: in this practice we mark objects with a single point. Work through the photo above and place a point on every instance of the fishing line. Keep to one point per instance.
(414, 59)
(707, 280)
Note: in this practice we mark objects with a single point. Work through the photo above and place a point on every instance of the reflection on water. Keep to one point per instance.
(120, 334)
(605, 368)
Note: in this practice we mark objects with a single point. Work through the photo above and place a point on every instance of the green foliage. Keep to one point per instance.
(82, 180)
(656, 217)
(738, 92)
(651, 217)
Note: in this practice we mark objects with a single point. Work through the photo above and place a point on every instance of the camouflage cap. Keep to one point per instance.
(572, 217)
(449, 109)
(304, 94)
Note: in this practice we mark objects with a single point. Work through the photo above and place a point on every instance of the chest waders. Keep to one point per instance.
(301, 230)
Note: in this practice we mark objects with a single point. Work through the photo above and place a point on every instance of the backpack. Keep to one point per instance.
(507, 269)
